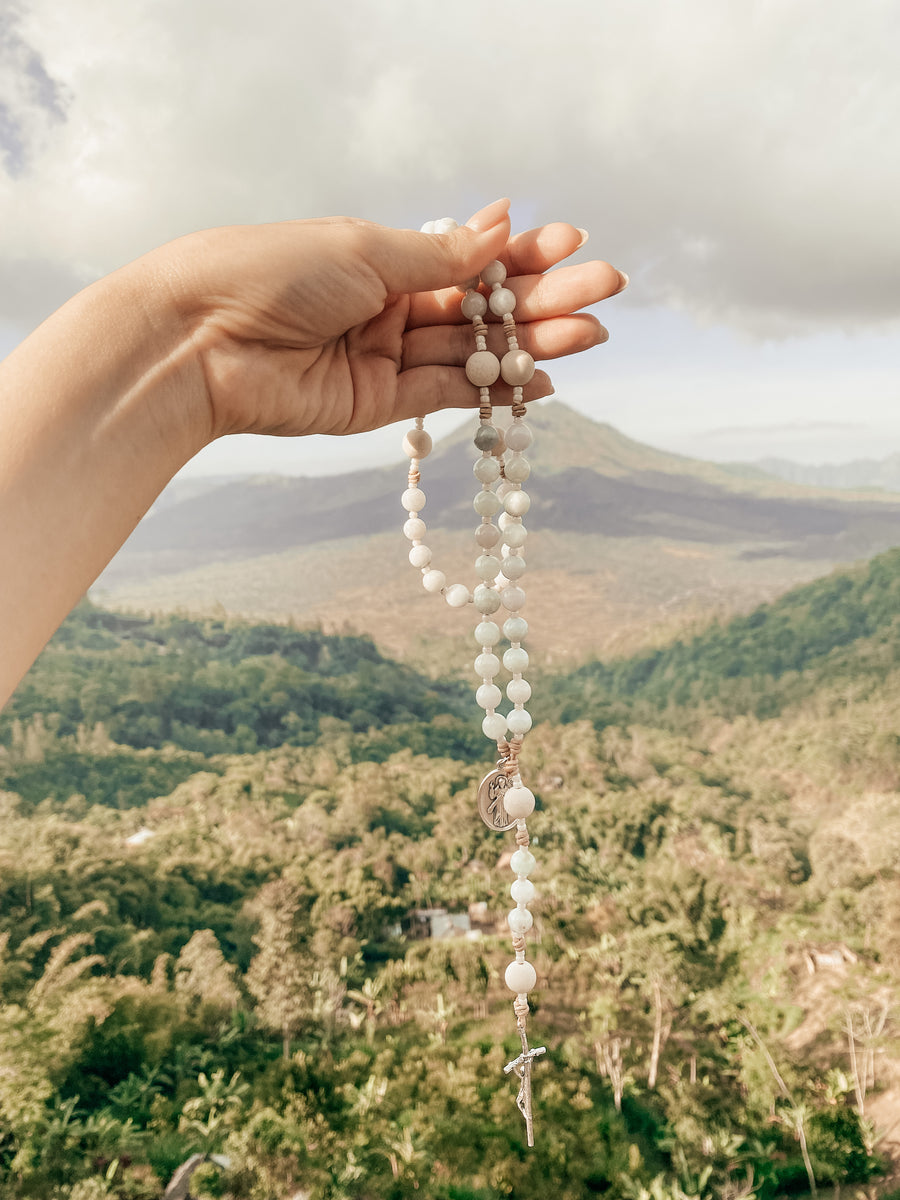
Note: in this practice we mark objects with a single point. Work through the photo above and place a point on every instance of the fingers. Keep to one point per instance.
(537, 250)
(538, 297)
(451, 345)
(407, 261)
(428, 389)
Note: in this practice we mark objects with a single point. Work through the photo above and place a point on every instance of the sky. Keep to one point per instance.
(738, 158)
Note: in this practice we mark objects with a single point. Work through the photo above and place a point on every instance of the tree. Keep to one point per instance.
(279, 975)
(201, 972)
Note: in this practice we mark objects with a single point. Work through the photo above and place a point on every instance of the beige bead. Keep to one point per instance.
(494, 272)
(517, 367)
(483, 368)
(417, 443)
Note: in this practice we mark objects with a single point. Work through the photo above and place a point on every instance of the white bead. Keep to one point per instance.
(519, 436)
(487, 536)
(514, 535)
(519, 721)
(414, 529)
(520, 977)
(513, 566)
(470, 285)
(482, 368)
(420, 556)
(512, 598)
(487, 633)
(505, 520)
(519, 802)
(515, 660)
(519, 920)
(494, 725)
(457, 595)
(494, 272)
(417, 443)
(428, 227)
(504, 488)
(516, 366)
(523, 862)
(413, 499)
(486, 600)
(501, 302)
(487, 567)
(517, 503)
(487, 503)
(434, 581)
(474, 305)
(518, 691)
(445, 225)
(487, 665)
(488, 696)
(518, 468)
(522, 891)
(486, 469)
(516, 629)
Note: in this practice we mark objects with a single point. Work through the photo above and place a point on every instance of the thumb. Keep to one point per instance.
(422, 262)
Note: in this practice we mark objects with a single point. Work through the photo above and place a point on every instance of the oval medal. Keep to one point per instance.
(490, 801)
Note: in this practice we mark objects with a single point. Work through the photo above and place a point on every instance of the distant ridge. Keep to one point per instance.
(862, 474)
(628, 544)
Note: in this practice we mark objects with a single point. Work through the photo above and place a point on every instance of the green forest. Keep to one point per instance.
(219, 840)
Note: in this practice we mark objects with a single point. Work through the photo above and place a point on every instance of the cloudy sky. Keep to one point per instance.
(738, 158)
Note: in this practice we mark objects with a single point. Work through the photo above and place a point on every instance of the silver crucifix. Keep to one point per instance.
(522, 1068)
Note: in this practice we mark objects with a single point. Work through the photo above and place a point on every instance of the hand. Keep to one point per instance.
(338, 325)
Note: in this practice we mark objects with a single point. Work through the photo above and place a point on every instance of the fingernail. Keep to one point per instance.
(584, 236)
(489, 217)
(604, 336)
(623, 282)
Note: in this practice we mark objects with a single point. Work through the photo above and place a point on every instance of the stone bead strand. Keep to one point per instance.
(417, 445)
(501, 586)
(501, 470)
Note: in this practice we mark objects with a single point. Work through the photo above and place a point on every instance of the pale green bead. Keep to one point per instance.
(487, 633)
(515, 628)
(486, 469)
(523, 862)
(487, 503)
(515, 659)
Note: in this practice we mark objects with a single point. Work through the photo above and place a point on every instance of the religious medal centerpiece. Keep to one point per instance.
(503, 801)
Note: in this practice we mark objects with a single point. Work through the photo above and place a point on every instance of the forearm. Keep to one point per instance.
(98, 410)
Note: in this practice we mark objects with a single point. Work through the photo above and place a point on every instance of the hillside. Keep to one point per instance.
(840, 632)
(643, 544)
(218, 836)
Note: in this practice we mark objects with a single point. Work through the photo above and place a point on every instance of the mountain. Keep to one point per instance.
(865, 474)
(637, 543)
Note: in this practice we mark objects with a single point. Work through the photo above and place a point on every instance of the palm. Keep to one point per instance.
(333, 331)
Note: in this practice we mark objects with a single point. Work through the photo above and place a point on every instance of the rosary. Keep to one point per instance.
(504, 802)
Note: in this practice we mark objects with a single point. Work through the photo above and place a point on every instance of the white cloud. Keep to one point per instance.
(738, 160)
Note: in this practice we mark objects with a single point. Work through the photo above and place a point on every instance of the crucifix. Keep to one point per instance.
(522, 1068)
